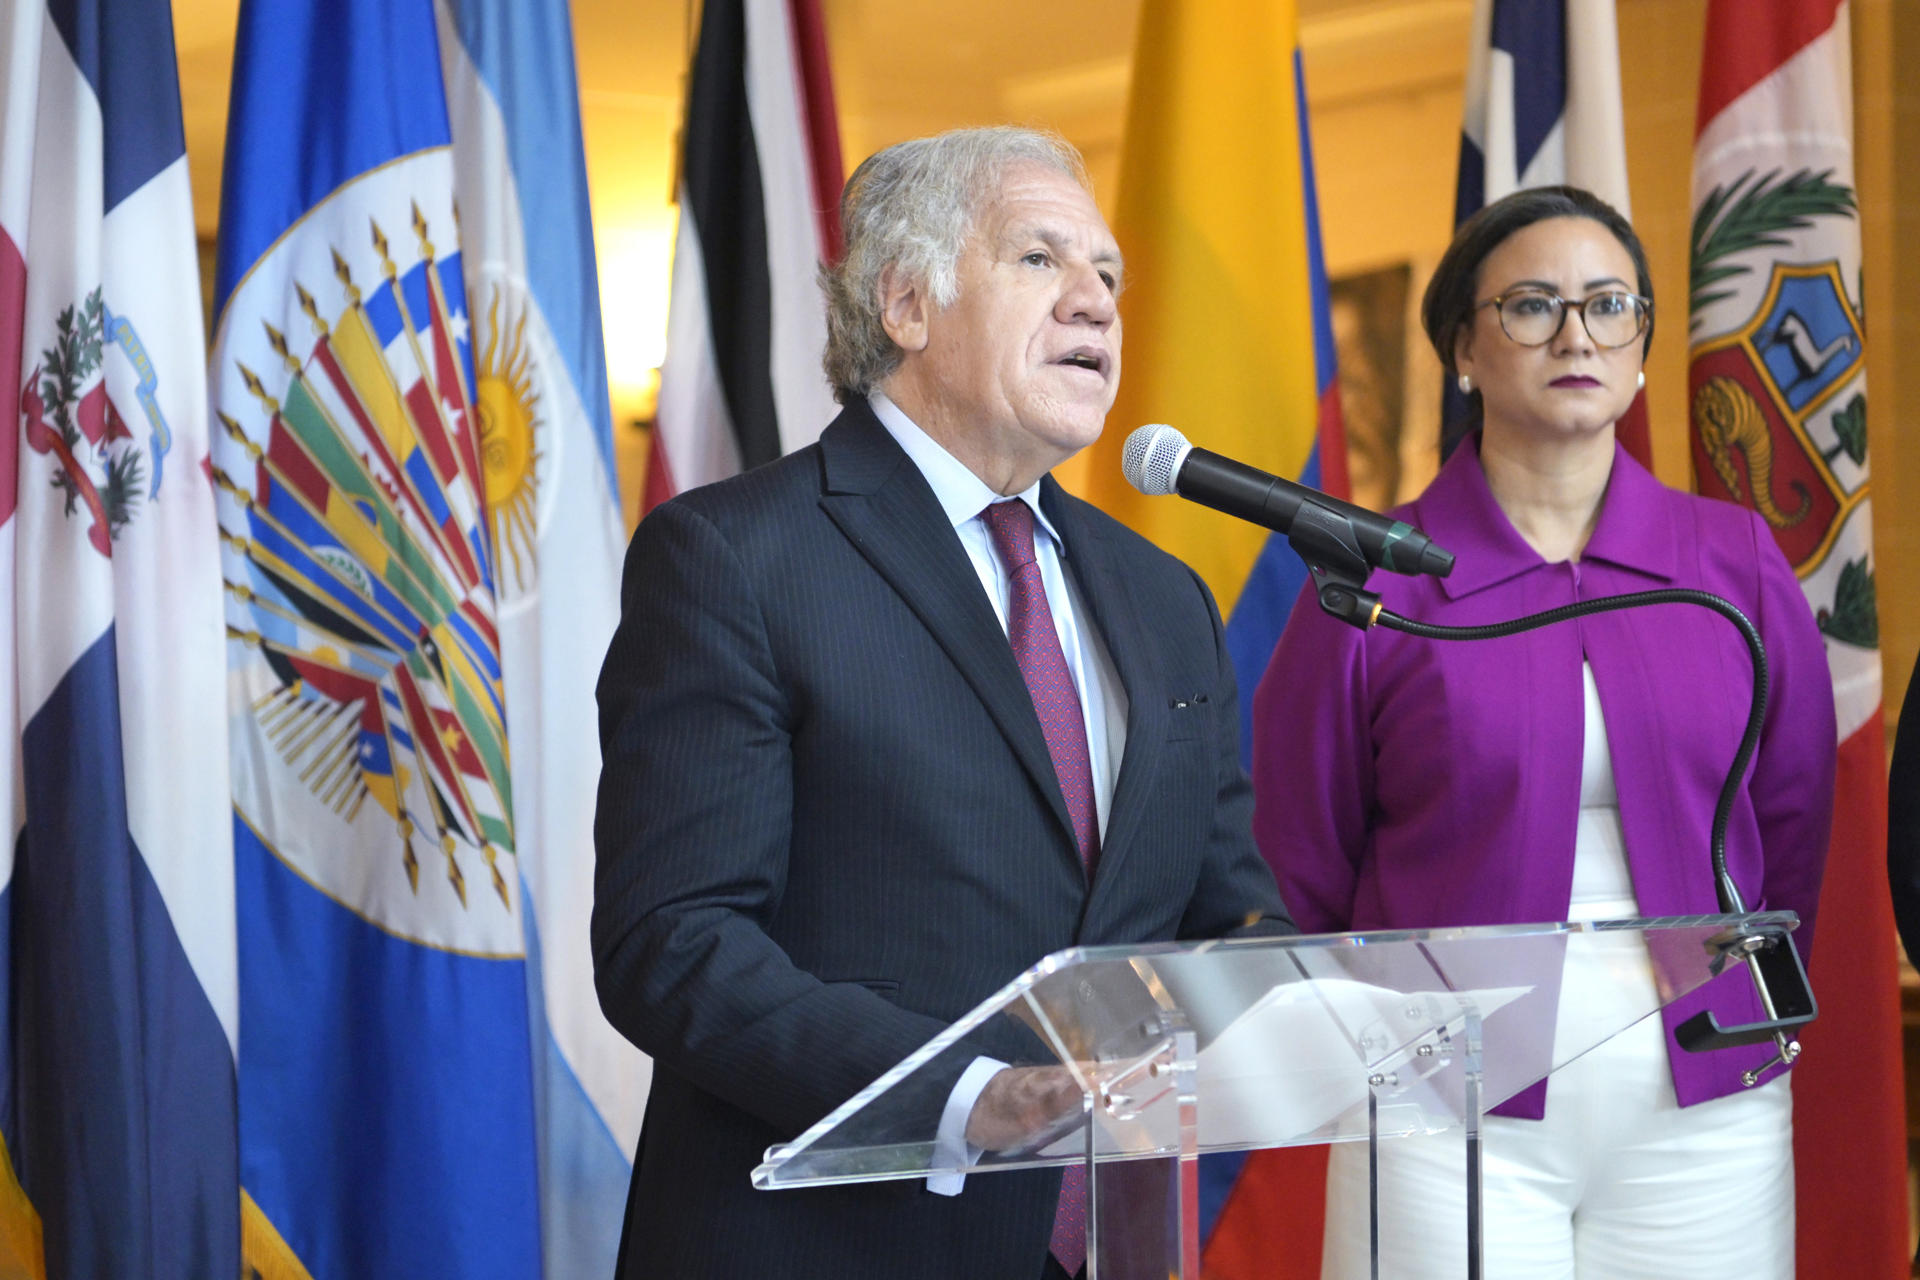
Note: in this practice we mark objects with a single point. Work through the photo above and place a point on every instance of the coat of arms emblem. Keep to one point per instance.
(1778, 396)
(67, 413)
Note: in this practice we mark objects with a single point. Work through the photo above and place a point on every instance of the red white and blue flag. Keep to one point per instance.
(1543, 108)
(1778, 403)
(117, 966)
(1542, 102)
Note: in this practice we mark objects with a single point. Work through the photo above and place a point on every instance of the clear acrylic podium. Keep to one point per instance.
(1180, 1049)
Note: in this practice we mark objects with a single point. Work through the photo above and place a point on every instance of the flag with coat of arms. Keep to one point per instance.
(118, 1001)
(1777, 399)
(387, 1090)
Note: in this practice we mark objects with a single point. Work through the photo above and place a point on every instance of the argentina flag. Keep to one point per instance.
(387, 1111)
(546, 448)
(116, 885)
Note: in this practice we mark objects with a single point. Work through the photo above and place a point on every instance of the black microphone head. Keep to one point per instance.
(1152, 457)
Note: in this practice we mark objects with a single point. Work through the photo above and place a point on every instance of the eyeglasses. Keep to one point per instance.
(1534, 317)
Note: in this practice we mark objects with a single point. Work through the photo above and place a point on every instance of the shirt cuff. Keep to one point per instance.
(951, 1149)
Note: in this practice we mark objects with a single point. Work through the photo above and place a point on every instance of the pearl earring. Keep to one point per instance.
(1465, 382)
(1640, 380)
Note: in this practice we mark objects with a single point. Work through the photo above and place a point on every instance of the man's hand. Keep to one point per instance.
(1019, 1103)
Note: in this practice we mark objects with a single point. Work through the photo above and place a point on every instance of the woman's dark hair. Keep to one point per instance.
(1446, 311)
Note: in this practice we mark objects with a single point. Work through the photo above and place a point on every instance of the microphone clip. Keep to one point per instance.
(1780, 981)
(1326, 541)
(1344, 600)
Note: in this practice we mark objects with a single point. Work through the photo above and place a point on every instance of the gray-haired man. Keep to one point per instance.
(889, 720)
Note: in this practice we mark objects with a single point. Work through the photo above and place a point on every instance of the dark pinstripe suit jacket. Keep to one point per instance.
(828, 825)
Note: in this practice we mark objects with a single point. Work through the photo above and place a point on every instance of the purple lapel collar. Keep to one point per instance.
(1635, 530)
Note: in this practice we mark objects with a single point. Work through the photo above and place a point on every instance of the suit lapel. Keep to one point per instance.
(1105, 590)
(879, 500)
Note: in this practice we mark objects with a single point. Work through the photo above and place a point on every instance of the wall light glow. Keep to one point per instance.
(636, 269)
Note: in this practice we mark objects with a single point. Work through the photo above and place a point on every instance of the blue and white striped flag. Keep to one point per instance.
(387, 1101)
(1542, 103)
(546, 446)
(117, 966)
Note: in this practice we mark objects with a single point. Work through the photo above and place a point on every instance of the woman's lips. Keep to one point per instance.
(1576, 380)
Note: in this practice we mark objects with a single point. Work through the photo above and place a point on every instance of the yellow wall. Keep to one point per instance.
(1886, 40)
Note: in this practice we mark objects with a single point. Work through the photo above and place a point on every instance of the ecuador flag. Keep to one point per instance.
(1228, 335)
(1229, 339)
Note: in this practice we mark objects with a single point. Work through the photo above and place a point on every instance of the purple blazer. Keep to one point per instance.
(1406, 783)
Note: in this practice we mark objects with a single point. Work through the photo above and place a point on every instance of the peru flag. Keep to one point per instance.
(118, 998)
(759, 212)
(1778, 400)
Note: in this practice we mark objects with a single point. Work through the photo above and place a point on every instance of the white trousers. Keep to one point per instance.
(1618, 1182)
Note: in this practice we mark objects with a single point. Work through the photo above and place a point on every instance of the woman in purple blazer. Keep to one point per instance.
(1566, 773)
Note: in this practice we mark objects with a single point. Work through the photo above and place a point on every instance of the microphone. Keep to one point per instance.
(1159, 460)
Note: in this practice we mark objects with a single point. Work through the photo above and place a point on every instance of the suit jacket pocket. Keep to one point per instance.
(1189, 716)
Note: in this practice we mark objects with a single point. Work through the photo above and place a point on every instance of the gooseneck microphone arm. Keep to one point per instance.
(1342, 544)
(1770, 956)
(1334, 598)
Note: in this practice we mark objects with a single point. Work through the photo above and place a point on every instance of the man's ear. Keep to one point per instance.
(904, 310)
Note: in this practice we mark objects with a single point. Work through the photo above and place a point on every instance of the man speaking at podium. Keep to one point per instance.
(888, 720)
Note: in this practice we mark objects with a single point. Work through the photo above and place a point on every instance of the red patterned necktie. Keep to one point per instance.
(1036, 647)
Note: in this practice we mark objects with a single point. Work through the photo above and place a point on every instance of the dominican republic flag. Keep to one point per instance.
(1543, 108)
(759, 212)
(370, 524)
(1778, 400)
(116, 885)
(546, 449)
(1220, 223)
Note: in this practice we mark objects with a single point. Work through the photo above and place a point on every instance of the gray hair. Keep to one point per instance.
(910, 208)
